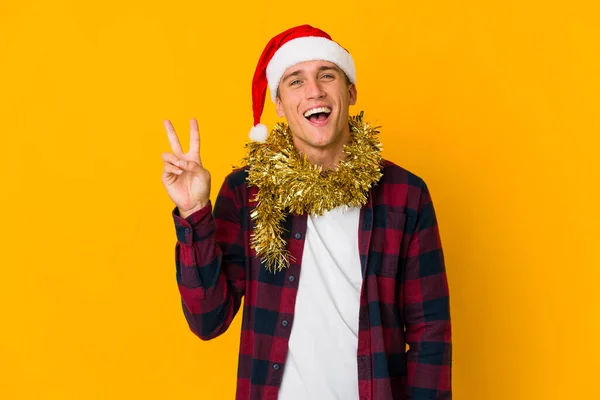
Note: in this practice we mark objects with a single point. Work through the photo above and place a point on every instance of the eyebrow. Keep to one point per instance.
(300, 71)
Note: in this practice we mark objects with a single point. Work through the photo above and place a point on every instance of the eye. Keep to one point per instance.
(328, 76)
(295, 82)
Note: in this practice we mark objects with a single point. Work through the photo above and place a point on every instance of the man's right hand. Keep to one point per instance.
(184, 177)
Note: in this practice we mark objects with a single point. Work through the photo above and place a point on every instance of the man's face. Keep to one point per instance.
(314, 97)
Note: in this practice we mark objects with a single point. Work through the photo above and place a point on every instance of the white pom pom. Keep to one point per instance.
(259, 133)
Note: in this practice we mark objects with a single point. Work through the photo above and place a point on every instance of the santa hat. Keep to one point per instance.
(296, 45)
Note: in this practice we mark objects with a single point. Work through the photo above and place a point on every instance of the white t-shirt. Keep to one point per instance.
(321, 361)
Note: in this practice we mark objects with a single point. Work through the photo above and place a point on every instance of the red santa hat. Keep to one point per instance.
(296, 45)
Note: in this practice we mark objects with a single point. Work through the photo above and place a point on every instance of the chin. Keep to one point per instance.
(319, 139)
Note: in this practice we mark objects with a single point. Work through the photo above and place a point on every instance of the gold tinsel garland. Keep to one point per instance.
(288, 183)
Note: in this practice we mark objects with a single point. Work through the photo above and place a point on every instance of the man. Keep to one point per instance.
(336, 251)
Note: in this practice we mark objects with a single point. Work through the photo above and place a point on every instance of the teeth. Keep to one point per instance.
(317, 110)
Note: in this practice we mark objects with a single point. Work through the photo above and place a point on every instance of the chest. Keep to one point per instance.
(375, 235)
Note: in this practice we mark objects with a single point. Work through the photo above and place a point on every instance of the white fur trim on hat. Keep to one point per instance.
(259, 133)
(309, 48)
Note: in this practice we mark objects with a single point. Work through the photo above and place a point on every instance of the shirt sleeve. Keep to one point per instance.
(210, 260)
(427, 309)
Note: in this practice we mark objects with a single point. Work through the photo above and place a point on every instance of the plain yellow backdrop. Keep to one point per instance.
(495, 104)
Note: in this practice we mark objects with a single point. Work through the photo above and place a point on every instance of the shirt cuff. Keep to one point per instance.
(197, 226)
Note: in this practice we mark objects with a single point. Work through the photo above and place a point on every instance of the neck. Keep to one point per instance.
(327, 157)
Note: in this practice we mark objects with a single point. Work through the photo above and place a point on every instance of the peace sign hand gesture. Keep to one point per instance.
(184, 177)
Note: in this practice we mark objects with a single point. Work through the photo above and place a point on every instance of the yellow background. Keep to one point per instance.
(495, 104)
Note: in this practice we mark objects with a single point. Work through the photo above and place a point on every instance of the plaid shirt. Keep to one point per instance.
(404, 296)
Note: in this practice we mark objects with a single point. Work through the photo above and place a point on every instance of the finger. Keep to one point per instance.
(168, 157)
(188, 165)
(170, 168)
(194, 137)
(173, 139)
(168, 177)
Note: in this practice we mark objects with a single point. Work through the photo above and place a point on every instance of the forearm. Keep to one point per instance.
(209, 301)
(209, 282)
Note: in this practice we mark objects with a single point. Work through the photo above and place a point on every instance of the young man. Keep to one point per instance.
(335, 251)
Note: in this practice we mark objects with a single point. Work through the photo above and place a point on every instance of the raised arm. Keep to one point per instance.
(210, 254)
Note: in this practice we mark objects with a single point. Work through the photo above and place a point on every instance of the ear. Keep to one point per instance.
(353, 93)
(279, 107)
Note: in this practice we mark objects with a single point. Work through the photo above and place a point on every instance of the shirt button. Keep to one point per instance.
(298, 236)
(363, 358)
(276, 367)
(291, 278)
(187, 230)
(284, 323)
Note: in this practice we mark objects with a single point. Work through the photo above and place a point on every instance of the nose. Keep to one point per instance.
(313, 89)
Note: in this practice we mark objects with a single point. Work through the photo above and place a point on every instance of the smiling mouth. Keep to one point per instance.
(318, 116)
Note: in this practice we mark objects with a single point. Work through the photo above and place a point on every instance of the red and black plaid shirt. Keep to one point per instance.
(404, 296)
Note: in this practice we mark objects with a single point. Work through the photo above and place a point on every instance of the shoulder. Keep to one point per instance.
(394, 174)
(234, 187)
(237, 176)
(236, 179)
(233, 194)
(401, 189)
